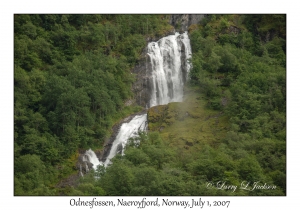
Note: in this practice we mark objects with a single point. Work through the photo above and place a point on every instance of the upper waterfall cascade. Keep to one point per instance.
(167, 74)
(169, 68)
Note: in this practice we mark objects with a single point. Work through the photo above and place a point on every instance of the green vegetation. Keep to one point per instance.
(239, 64)
(71, 79)
(72, 76)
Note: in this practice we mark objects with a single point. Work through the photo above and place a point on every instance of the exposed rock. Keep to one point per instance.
(181, 22)
(119, 148)
(268, 36)
(142, 85)
(189, 143)
(224, 101)
(129, 102)
(82, 162)
(234, 29)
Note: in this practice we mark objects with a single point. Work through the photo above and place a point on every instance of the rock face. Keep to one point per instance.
(181, 22)
(140, 87)
(83, 164)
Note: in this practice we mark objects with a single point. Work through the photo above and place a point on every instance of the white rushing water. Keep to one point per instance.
(92, 158)
(127, 130)
(188, 51)
(167, 70)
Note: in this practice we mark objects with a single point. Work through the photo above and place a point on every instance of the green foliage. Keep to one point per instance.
(118, 179)
(132, 46)
(249, 169)
(248, 67)
(71, 78)
(31, 176)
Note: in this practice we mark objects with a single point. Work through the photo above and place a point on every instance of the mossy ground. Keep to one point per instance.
(188, 125)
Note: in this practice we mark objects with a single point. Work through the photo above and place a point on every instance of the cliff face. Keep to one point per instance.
(142, 83)
(182, 22)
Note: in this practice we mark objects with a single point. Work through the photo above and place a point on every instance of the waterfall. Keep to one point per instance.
(127, 130)
(168, 72)
(188, 51)
(92, 158)
(167, 68)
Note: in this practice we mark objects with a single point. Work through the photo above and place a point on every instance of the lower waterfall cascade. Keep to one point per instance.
(167, 74)
(127, 130)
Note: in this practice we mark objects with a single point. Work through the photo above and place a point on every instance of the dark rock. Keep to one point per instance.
(119, 148)
(142, 87)
(224, 101)
(189, 143)
(182, 22)
(90, 165)
(234, 29)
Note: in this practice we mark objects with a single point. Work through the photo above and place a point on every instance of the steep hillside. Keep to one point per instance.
(73, 81)
(228, 137)
(189, 125)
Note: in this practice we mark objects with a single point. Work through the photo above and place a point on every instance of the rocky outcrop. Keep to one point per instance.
(83, 164)
(234, 29)
(142, 84)
(182, 22)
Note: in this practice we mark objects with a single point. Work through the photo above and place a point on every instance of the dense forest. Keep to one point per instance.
(72, 77)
